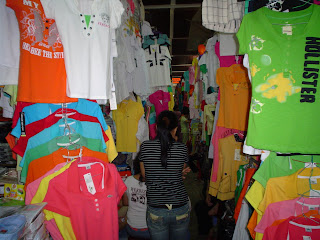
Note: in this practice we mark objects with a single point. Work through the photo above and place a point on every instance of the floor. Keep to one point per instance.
(194, 188)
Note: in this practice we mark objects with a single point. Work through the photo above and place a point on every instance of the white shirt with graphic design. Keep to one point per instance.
(9, 45)
(87, 36)
(136, 192)
(158, 63)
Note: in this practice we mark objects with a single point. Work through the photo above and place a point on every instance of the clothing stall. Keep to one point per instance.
(82, 84)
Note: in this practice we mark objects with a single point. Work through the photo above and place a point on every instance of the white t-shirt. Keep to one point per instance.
(87, 48)
(137, 210)
(158, 63)
(9, 45)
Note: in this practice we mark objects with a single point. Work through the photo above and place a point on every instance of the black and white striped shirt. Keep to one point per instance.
(164, 185)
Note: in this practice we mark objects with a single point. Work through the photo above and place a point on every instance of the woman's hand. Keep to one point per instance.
(185, 171)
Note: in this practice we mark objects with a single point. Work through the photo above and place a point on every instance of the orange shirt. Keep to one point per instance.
(235, 96)
(39, 167)
(42, 75)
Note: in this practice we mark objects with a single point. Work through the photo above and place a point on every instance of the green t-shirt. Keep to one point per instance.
(51, 146)
(279, 166)
(184, 124)
(284, 63)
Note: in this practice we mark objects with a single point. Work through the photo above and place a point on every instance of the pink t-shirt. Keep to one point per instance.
(31, 191)
(191, 75)
(227, 61)
(294, 229)
(93, 216)
(160, 101)
(285, 209)
(219, 133)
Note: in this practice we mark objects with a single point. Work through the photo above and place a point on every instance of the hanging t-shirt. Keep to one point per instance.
(286, 209)
(295, 228)
(42, 74)
(229, 161)
(126, 118)
(39, 111)
(36, 127)
(235, 89)
(227, 61)
(284, 68)
(292, 186)
(39, 167)
(56, 224)
(87, 46)
(85, 129)
(90, 212)
(52, 146)
(161, 39)
(9, 45)
(137, 196)
(158, 63)
(160, 100)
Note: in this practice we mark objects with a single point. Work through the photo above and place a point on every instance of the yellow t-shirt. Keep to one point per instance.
(254, 197)
(111, 147)
(289, 187)
(230, 159)
(63, 223)
(126, 118)
(171, 103)
(235, 95)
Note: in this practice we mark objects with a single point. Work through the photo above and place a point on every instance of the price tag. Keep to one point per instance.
(287, 30)
(308, 230)
(89, 183)
(113, 102)
(310, 165)
(307, 238)
(313, 180)
(312, 208)
(237, 156)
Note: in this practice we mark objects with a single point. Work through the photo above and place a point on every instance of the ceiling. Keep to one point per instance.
(181, 21)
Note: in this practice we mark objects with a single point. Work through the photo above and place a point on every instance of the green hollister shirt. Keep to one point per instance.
(284, 55)
(52, 146)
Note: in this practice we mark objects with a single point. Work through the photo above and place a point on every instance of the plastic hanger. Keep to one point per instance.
(310, 179)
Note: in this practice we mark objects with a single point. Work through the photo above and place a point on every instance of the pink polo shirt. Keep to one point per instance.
(294, 229)
(160, 100)
(285, 209)
(93, 216)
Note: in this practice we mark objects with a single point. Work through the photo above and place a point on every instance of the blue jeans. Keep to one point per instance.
(165, 224)
(137, 233)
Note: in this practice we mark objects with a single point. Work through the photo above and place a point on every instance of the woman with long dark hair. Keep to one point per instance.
(162, 162)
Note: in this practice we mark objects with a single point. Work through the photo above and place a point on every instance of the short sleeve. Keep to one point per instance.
(142, 152)
(48, 7)
(242, 36)
(56, 199)
(120, 186)
(116, 10)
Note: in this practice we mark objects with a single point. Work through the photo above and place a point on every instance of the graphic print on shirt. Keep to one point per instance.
(33, 31)
(256, 106)
(105, 20)
(138, 195)
(311, 70)
(279, 87)
(256, 43)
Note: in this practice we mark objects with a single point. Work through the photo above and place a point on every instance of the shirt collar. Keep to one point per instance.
(74, 176)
